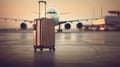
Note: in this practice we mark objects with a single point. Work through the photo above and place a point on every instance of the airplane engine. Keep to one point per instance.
(79, 25)
(67, 26)
(23, 26)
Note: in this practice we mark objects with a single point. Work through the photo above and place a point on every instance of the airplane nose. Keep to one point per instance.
(55, 18)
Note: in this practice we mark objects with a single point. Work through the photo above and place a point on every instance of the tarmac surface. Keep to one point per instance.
(83, 49)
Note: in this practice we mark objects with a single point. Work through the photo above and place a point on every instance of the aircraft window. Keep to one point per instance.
(54, 12)
(51, 12)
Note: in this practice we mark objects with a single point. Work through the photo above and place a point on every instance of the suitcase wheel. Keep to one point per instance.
(35, 48)
(41, 49)
(52, 48)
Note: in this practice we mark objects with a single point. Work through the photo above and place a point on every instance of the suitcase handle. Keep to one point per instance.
(42, 1)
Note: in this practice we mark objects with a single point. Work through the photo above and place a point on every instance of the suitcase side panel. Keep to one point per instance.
(36, 33)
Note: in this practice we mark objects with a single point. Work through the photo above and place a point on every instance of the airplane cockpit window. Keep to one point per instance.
(51, 12)
(54, 12)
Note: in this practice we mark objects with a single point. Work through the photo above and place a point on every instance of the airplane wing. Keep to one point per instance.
(78, 20)
(14, 19)
(79, 24)
(23, 25)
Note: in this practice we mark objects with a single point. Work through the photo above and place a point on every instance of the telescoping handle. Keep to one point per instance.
(42, 1)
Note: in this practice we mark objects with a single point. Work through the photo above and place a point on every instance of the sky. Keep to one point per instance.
(75, 9)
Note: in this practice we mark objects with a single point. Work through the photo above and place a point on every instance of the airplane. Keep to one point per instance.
(52, 13)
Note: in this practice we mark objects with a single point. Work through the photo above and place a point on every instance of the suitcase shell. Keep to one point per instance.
(44, 34)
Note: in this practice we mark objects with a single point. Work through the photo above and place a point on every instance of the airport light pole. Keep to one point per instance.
(42, 1)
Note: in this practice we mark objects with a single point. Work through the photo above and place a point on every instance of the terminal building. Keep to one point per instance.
(106, 23)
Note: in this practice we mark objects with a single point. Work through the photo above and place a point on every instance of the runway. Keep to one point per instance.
(81, 49)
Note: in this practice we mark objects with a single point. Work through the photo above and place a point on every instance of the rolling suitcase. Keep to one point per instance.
(44, 34)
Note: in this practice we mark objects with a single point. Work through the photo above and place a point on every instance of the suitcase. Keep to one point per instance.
(44, 34)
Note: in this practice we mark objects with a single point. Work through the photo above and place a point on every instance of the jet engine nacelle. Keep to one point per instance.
(67, 26)
(79, 25)
(23, 26)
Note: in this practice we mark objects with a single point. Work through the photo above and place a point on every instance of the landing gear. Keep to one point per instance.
(59, 29)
